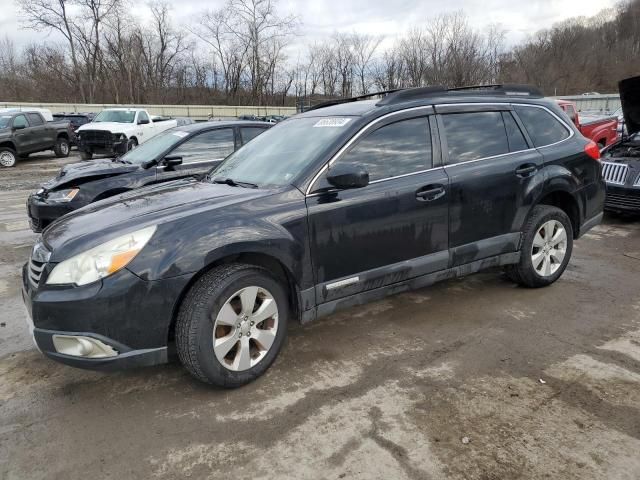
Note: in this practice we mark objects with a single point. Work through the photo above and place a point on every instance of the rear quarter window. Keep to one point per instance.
(542, 126)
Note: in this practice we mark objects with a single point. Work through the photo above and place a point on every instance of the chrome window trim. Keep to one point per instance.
(435, 107)
(358, 135)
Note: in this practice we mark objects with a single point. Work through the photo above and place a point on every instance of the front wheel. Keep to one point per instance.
(131, 144)
(232, 325)
(62, 148)
(547, 244)
(7, 157)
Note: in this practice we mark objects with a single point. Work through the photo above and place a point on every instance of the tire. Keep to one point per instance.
(537, 253)
(131, 144)
(62, 147)
(86, 155)
(214, 301)
(8, 157)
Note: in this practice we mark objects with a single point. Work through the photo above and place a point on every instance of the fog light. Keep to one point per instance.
(85, 347)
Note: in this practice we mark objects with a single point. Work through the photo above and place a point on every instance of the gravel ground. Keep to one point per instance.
(469, 379)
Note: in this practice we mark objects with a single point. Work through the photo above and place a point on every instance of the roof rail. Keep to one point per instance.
(339, 101)
(401, 95)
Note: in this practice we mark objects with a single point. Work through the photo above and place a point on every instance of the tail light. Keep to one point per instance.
(592, 150)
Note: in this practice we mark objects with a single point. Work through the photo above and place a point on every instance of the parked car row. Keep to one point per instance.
(334, 207)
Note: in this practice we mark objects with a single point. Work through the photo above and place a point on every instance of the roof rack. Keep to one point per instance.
(401, 95)
(339, 101)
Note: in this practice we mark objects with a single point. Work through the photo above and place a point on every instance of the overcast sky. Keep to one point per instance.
(382, 17)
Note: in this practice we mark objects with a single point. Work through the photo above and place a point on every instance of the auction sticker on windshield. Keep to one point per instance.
(180, 134)
(332, 122)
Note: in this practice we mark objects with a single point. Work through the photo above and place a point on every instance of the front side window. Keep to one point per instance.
(543, 128)
(35, 119)
(475, 135)
(155, 147)
(20, 122)
(207, 146)
(397, 149)
(143, 117)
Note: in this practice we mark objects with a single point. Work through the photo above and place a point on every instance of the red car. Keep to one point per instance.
(602, 130)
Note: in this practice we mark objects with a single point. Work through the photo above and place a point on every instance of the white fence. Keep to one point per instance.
(197, 112)
(595, 103)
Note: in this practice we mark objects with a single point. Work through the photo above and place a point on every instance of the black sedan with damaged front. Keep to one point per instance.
(191, 150)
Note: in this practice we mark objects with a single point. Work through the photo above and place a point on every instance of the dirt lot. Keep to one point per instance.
(473, 378)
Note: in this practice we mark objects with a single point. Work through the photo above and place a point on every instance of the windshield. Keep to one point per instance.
(118, 116)
(281, 153)
(5, 120)
(153, 148)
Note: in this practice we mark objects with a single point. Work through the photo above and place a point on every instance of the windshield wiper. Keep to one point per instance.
(234, 183)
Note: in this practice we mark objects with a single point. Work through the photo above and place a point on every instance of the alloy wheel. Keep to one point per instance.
(245, 328)
(7, 159)
(549, 248)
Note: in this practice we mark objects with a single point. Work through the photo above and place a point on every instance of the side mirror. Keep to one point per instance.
(143, 122)
(348, 176)
(172, 161)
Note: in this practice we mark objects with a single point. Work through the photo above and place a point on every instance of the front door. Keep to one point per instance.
(494, 177)
(395, 228)
(23, 136)
(199, 154)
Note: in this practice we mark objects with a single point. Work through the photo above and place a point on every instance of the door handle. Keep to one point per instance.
(430, 192)
(526, 170)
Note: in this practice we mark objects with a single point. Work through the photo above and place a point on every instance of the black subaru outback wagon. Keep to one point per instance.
(335, 207)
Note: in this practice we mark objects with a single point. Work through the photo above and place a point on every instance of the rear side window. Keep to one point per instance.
(35, 119)
(395, 149)
(475, 135)
(249, 133)
(543, 128)
(514, 134)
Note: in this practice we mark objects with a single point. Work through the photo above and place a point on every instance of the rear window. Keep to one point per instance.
(475, 135)
(543, 128)
(35, 119)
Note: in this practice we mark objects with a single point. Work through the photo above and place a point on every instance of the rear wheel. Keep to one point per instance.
(547, 244)
(7, 157)
(232, 325)
(86, 155)
(62, 148)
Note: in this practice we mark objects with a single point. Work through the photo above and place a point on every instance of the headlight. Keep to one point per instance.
(63, 195)
(101, 261)
(120, 137)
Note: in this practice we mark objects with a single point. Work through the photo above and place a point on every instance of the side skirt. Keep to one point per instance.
(369, 296)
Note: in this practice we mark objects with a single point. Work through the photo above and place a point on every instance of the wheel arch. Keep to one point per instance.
(256, 258)
(8, 145)
(64, 135)
(566, 202)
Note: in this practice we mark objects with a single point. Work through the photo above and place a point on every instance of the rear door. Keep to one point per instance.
(395, 228)
(200, 153)
(494, 177)
(41, 133)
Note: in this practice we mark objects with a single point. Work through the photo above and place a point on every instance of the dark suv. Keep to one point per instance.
(335, 207)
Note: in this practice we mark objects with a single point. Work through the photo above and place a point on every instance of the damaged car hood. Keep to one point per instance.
(78, 173)
(630, 98)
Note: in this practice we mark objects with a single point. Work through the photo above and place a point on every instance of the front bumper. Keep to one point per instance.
(123, 311)
(41, 213)
(622, 199)
(103, 148)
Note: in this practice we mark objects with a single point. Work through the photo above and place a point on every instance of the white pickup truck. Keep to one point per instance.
(115, 131)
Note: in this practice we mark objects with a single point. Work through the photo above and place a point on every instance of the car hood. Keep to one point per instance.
(78, 173)
(159, 204)
(108, 126)
(630, 98)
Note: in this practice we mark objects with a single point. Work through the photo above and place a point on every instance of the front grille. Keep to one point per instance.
(637, 182)
(615, 173)
(100, 138)
(623, 201)
(39, 258)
